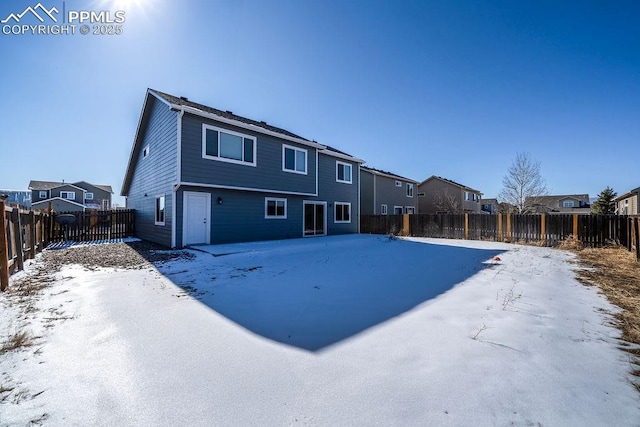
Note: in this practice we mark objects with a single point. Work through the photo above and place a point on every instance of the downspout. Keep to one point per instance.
(359, 199)
(174, 226)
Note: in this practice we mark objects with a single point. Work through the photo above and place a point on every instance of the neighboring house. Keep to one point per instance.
(441, 195)
(69, 197)
(569, 203)
(627, 204)
(385, 193)
(491, 206)
(198, 175)
(17, 198)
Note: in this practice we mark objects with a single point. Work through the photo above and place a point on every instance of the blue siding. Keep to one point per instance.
(331, 191)
(155, 175)
(266, 175)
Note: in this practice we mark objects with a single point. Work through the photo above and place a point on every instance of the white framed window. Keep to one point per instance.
(466, 195)
(568, 204)
(342, 213)
(397, 210)
(275, 208)
(409, 190)
(398, 183)
(294, 159)
(88, 196)
(69, 195)
(383, 209)
(145, 151)
(228, 146)
(410, 210)
(160, 210)
(42, 194)
(343, 172)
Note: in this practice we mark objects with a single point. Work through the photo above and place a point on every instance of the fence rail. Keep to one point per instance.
(24, 233)
(549, 230)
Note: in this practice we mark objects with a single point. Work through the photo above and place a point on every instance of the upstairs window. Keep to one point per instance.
(69, 195)
(466, 195)
(567, 204)
(228, 146)
(294, 159)
(398, 183)
(343, 172)
(88, 196)
(409, 190)
(42, 194)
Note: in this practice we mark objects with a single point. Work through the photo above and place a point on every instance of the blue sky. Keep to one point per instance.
(449, 88)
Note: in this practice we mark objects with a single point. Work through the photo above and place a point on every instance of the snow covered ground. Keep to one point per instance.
(345, 330)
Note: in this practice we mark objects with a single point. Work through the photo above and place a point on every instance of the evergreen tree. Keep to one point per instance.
(605, 203)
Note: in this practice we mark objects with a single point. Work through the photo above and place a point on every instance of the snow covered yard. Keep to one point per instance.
(345, 330)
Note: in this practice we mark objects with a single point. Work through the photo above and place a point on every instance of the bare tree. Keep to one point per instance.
(447, 202)
(523, 183)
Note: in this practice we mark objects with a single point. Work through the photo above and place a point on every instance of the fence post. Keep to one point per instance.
(19, 240)
(466, 226)
(509, 227)
(32, 234)
(637, 222)
(405, 224)
(575, 226)
(500, 236)
(4, 246)
(543, 228)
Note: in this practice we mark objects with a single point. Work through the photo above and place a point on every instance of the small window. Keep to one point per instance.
(409, 190)
(275, 208)
(409, 210)
(383, 210)
(160, 210)
(398, 183)
(343, 172)
(397, 210)
(145, 151)
(88, 196)
(228, 146)
(422, 194)
(343, 212)
(42, 194)
(466, 195)
(567, 204)
(294, 159)
(68, 195)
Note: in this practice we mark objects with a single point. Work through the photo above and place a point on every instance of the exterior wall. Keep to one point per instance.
(628, 205)
(331, 191)
(155, 174)
(367, 197)
(79, 193)
(266, 175)
(433, 187)
(98, 195)
(388, 194)
(57, 205)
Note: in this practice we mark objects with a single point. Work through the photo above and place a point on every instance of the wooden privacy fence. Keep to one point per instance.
(24, 233)
(549, 230)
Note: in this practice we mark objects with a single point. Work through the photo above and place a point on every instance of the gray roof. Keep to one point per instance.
(226, 114)
(550, 200)
(48, 185)
(627, 194)
(450, 182)
(390, 174)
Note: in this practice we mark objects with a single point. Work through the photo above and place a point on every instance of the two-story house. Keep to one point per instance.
(69, 197)
(441, 195)
(385, 193)
(567, 203)
(627, 203)
(199, 175)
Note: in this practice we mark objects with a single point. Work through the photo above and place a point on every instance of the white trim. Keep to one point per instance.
(398, 207)
(173, 218)
(295, 159)
(242, 136)
(384, 211)
(335, 213)
(350, 181)
(410, 185)
(86, 196)
(406, 210)
(259, 190)
(311, 202)
(164, 210)
(317, 167)
(207, 218)
(58, 198)
(275, 199)
(46, 194)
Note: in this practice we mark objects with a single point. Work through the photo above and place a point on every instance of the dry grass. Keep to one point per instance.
(617, 273)
(16, 341)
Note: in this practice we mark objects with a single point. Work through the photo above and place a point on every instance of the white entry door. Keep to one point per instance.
(196, 218)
